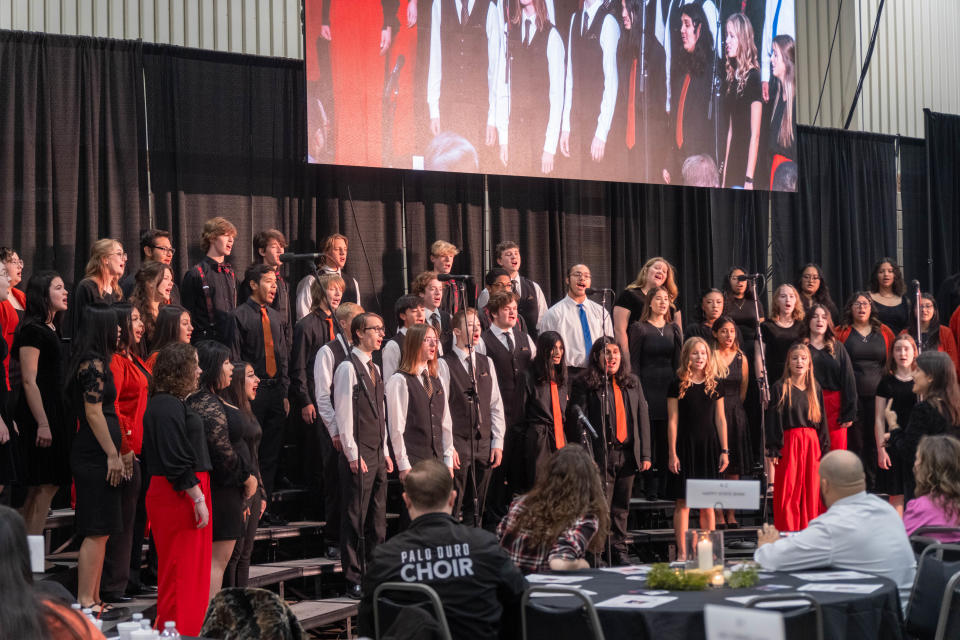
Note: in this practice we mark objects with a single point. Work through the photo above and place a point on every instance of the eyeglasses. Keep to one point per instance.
(813, 277)
(19, 263)
(122, 254)
(926, 307)
(580, 274)
(861, 305)
(379, 330)
(167, 250)
(431, 341)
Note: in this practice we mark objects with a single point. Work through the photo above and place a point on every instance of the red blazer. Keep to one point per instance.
(131, 384)
(844, 332)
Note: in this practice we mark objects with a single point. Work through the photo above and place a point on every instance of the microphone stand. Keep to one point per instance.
(604, 407)
(764, 399)
(916, 307)
(474, 397)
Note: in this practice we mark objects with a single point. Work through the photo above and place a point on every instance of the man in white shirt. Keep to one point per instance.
(580, 322)
(859, 532)
(409, 310)
(430, 290)
(478, 421)
(332, 260)
(531, 304)
(365, 459)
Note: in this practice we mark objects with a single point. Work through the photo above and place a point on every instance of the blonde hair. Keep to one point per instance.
(95, 270)
(411, 350)
(685, 373)
(670, 284)
(746, 58)
(318, 290)
(787, 48)
(809, 383)
(443, 248)
(775, 309)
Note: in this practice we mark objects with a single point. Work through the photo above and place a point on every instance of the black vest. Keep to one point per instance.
(399, 338)
(528, 307)
(587, 61)
(529, 90)
(463, 52)
(510, 368)
(339, 355)
(369, 412)
(422, 434)
(460, 406)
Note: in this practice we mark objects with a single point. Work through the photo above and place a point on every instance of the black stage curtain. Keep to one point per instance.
(226, 138)
(72, 167)
(845, 216)
(913, 199)
(943, 140)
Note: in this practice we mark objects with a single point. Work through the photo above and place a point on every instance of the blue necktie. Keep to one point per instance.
(585, 326)
(776, 20)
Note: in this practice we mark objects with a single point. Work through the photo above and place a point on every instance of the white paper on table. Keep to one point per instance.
(550, 594)
(635, 602)
(773, 604)
(734, 623)
(638, 577)
(824, 576)
(628, 570)
(840, 587)
(541, 578)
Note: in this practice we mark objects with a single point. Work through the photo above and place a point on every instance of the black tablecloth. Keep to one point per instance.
(875, 616)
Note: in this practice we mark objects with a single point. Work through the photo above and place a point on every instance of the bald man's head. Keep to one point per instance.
(843, 474)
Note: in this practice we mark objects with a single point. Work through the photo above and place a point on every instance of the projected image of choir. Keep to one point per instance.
(670, 91)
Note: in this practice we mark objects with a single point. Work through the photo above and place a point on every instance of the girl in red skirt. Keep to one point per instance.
(797, 437)
(834, 373)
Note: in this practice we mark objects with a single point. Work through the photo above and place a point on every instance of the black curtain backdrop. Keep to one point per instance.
(943, 140)
(913, 199)
(845, 217)
(72, 161)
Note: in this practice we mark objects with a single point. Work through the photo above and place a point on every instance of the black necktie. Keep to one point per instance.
(583, 25)
(373, 372)
(526, 32)
(435, 322)
(464, 12)
(516, 286)
(510, 345)
(426, 383)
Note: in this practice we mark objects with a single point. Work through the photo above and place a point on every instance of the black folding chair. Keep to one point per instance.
(934, 572)
(948, 626)
(431, 601)
(811, 605)
(925, 536)
(584, 619)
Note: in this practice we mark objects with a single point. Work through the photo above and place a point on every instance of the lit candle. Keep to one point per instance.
(705, 554)
(717, 579)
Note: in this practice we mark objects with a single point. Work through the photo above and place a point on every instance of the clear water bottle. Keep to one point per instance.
(170, 630)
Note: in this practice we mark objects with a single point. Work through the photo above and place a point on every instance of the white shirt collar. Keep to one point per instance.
(363, 357)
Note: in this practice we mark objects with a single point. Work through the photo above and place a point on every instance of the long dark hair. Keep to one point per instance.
(168, 326)
(542, 369)
(933, 329)
(96, 340)
(898, 287)
(125, 320)
(38, 298)
(846, 319)
(234, 393)
(943, 393)
(593, 376)
(211, 355)
(829, 336)
(698, 62)
(728, 291)
(19, 616)
(630, 41)
(822, 294)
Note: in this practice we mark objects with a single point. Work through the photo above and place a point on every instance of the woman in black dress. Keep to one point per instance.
(46, 430)
(696, 433)
(896, 399)
(738, 303)
(655, 344)
(782, 139)
(231, 482)
(8, 467)
(867, 342)
(711, 308)
(101, 282)
(834, 373)
(732, 377)
(629, 305)
(780, 331)
(742, 104)
(813, 289)
(95, 460)
(245, 434)
(886, 289)
(934, 380)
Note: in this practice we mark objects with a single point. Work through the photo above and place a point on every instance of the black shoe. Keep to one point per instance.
(140, 589)
(271, 520)
(333, 553)
(115, 597)
(354, 592)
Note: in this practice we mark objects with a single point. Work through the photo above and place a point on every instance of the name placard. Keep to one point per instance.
(728, 494)
(735, 623)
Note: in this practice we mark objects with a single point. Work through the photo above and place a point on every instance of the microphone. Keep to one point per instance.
(590, 291)
(915, 284)
(392, 80)
(752, 276)
(583, 420)
(444, 277)
(293, 257)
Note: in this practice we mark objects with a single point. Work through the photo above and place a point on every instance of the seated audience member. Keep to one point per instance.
(479, 587)
(859, 532)
(785, 177)
(33, 610)
(700, 171)
(937, 501)
(450, 152)
(563, 517)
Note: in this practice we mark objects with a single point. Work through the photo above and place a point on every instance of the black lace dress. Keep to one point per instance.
(98, 509)
(738, 429)
(229, 469)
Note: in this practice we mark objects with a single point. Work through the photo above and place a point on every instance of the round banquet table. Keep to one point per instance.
(846, 616)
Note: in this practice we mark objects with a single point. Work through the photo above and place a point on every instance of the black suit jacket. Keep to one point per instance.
(591, 401)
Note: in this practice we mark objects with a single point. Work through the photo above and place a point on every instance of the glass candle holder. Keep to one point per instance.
(704, 549)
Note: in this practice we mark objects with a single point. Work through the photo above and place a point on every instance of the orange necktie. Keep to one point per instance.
(268, 343)
(333, 336)
(683, 99)
(557, 416)
(632, 109)
(621, 412)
